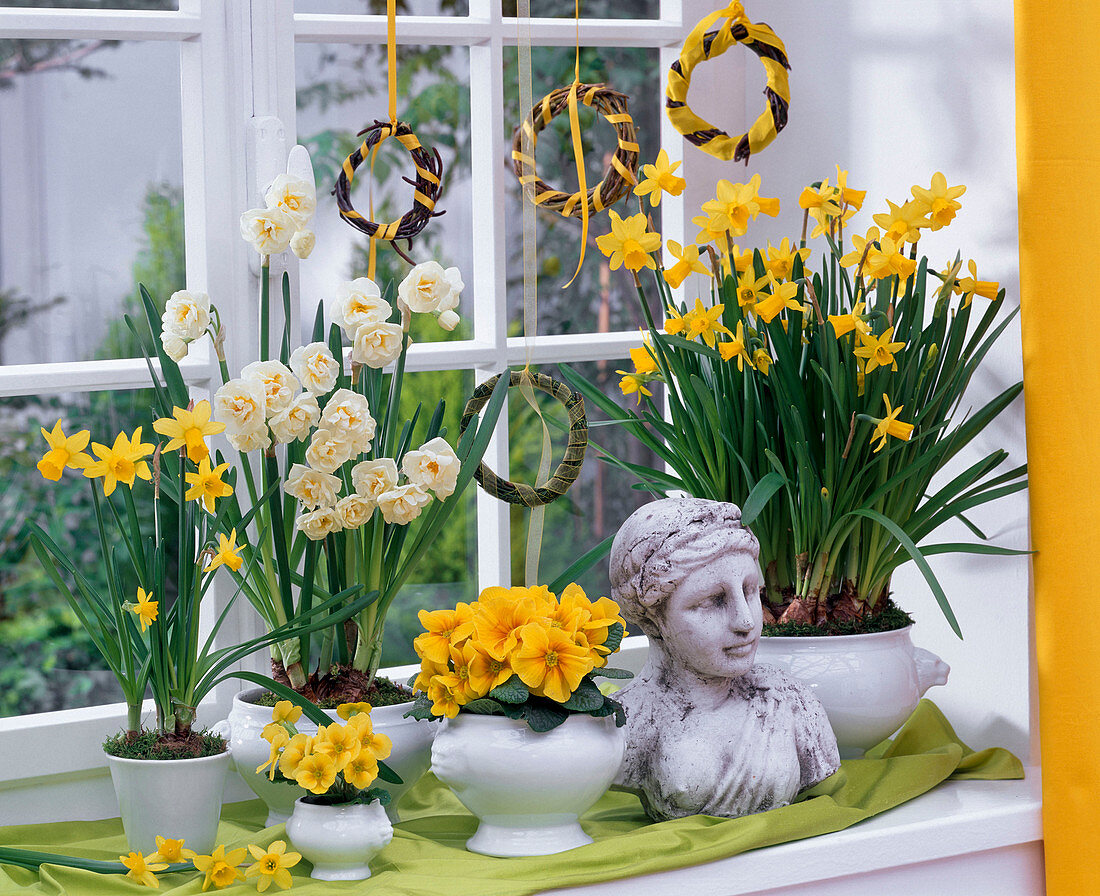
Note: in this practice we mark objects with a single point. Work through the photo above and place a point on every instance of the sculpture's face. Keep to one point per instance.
(712, 620)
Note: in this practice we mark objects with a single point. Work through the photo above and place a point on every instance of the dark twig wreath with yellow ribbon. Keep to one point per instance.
(621, 174)
(569, 468)
(703, 44)
(427, 186)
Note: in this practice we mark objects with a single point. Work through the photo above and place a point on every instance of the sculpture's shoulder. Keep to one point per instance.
(813, 735)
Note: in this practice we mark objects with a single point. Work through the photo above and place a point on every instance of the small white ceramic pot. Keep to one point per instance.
(412, 746)
(868, 684)
(527, 788)
(339, 841)
(176, 798)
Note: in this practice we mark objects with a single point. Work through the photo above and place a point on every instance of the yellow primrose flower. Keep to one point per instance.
(169, 850)
(189, 429)
(227, 555)
(878, 351)
(750, 290)
(296, 749)
(65, 451)
(444, 700)
(316, 772)
(705, 323)
(660, 177)
(428, 671)
(853, 320)
(339, 743)
(141, 869)
(762, 361)
(735, 205)
(220, 867)
(370, 741)
(687, 262)
(859, 244)
(362, 771)
(278, 737)
(271, 865)
(903, 222)
(601, 615)
(735, 348)
(643, 359)
(891, 426)
(285, 711)
(499, 614)
(145, 609)
(780, 260)
(848, 196)
(629, 244)
(886, 260)
(122, 462)
(346, 710)
(207, 485)
(782, 296)
(938, 201)
(442, 629)
(486, 671)
(467, 687)
(549, 662)
(970, 286)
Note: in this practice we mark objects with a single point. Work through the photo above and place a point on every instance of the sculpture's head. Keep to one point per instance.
(684, 571)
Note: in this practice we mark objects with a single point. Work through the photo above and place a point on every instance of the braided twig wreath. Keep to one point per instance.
(569, 468)
(702, 45)
(427, 185)
(618, 179)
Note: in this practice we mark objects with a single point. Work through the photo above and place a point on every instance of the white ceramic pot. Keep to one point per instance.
(527, 788)
(176, 798)
(868, 684)
(340, 841)
(412, 745)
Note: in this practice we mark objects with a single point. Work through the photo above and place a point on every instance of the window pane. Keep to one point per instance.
(378, 7)
(342, 89)
(601, 499)
(590, 9)
(599, 300)
(47, 661)
(90, 197)
(447, 573)
(94, 4)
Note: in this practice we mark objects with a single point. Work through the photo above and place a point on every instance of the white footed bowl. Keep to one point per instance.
(339, 841)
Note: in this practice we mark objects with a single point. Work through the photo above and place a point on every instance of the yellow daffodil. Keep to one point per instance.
(271, 865)
(189, 429)
(227, 554)
(705, 323)
(643, 359)
(660, 177)
(316, 772)
(549, 662)
(859, 245)
(848, 196)
(750, 290)
(735, 348)
(346, 710)
(373, 742)
(220, 867)
(296, 749)
(633, 384)
(780, 260)
(340, 743)
(762, 361)
(687, 262)
(885, 259)
(853, 320)
(783, 295)
(903, 222)
(361, 771)
(65, 451)
(629, 244)
(707, 234)
(970, 286)
(825, 223)
(206, 484)
(169, 850)
(675, 322)
(442, 629)
(822, 198)
(742, 261)
(735, 205)
(122, 462)
(891, 426)
(141, 869)
(145, 609)
(878, 351)
(938, 201)
(445, 702)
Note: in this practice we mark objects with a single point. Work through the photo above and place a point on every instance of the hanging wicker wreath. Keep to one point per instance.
(427, 185)
(569, 468)
(621, 174)
(702, 45)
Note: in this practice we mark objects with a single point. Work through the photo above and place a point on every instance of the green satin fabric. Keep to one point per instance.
(427, 855)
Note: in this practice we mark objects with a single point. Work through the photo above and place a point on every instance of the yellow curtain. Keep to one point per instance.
(1058, 154)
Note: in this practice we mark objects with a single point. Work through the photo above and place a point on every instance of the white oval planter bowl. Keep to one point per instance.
(339, 841)
(527, 788)
(176, 798)
(868, 684)
(412, 744)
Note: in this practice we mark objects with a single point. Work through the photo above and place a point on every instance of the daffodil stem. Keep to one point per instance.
(133, 717)
(265, 308)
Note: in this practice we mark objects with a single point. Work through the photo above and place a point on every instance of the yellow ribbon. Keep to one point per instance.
(578, 149)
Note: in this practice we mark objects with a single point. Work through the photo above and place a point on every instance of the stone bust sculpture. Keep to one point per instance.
(707, 730)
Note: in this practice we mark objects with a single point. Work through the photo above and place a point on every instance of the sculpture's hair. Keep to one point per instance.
(662, 543)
